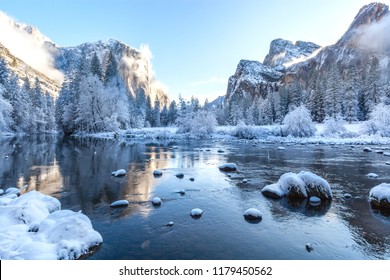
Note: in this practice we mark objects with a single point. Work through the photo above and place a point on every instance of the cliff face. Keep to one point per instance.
(29, 53)
(304, 62)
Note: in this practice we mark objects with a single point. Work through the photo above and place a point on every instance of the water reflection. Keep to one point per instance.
(78, 172)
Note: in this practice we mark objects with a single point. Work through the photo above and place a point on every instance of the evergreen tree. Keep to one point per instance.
(333, 93)
(156, 114)
(172, 113)
(95, 67)
(351, 95)
(111, 70)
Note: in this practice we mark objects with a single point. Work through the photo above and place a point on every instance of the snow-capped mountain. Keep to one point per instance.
(30, 53)
(283, 53)
(304, 63)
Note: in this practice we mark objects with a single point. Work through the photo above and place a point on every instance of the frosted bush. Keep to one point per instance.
(250, 132)
(200, 123)
(334, 126)
(379, 122)
(298, 123)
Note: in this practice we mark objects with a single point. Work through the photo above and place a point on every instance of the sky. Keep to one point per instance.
(196, 44)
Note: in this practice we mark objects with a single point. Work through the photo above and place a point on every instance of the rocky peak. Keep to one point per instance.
(369, 16)
(284, 52)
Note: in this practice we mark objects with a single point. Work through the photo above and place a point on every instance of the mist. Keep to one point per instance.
(374, 37)
(28, 47)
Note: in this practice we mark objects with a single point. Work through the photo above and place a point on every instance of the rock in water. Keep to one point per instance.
(156, 201)
(120, 172)
(347, 196)
(309, 247)
(314, 200)
(379, 196)
(157, 172)
(120, 203)
(228, 167)
(180, 175)
(196, 212)
(372, 175)
(367, 149)
(253, 214)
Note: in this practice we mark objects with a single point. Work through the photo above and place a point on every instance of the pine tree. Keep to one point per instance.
(95, 67)
(333, 93)
(111, 70)
(156, 114)
(172, 113)
(374, 88)
(351, 95)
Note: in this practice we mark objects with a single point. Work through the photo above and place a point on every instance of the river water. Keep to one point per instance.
(78, 173)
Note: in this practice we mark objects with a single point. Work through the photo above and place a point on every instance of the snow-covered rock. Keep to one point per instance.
(34, 227)
(379, 196)
(196, 212)
(156, 201)
(245, 181)
(192, 179)
(372, 175)
(228, 167)
(302, 185)
(12, 190)
(281, 148)
(284, 52)
(1, 191)
(120, 203)
(367, 149)
(387, 162)
(157, 172)
(253, 214)
(170, 224)
(347, 196)
(180, 175)
(386, 154)
(118, 173)
(313, 200)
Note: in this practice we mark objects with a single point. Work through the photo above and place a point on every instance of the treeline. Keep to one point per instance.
(24, 108)
(95, 99)
(348, 94)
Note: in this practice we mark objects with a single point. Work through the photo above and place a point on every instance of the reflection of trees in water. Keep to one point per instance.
(371, 228)
(86, 167)
(27, 160)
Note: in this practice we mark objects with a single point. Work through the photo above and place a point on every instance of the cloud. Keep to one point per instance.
(374, 37)
(212, 80)
(28, 47)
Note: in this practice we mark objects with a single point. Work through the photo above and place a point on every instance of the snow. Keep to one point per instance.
(380, 196)
(157, 172)
(347, 196)
(156, 200)
(228, 167)
(196, 212)
(314, 200)
(12, 190)
(252, 214)
(281, 148)
(119, 203)
(372, 175)
(33, 226)
(120, 172)
(304, 184)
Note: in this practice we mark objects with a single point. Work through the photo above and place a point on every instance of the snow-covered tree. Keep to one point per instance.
(351, 95)
(200, 123)
(379, 122)
(298, 123)
(333, 93)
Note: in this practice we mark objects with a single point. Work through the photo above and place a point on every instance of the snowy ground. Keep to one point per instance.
(353, 135)
(33, 226)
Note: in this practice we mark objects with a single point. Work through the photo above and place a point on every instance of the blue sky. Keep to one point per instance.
(196, 44)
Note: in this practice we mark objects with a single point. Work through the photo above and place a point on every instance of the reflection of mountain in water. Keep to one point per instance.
(78, 172)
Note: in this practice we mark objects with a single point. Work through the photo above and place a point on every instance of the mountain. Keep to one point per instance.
(30, 53)
(305, 67)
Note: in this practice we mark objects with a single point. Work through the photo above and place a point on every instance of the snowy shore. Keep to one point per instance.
(353, 135)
